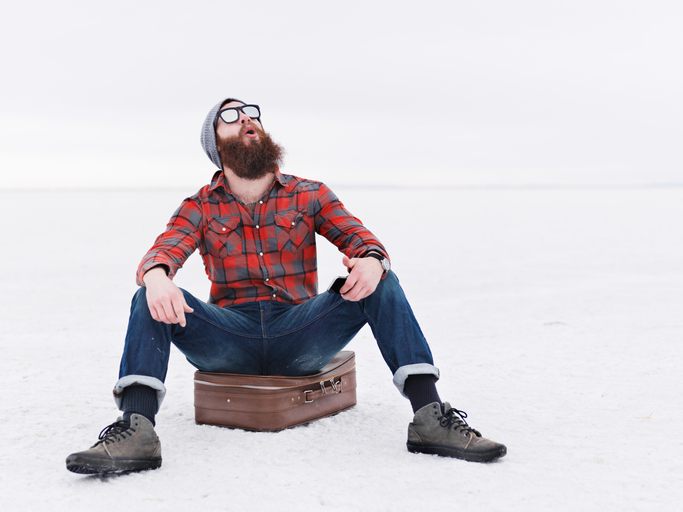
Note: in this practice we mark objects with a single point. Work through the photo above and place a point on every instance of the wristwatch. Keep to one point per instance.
(386, 264)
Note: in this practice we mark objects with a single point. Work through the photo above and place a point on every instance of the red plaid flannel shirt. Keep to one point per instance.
(270, 255)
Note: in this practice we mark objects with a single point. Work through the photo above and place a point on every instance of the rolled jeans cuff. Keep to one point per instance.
(142, 380)
(413, 369)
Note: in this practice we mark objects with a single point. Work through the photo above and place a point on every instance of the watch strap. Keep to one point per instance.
(380, 258)
(374, 255)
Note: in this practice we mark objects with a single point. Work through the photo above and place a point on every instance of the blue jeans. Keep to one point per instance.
(273, 338)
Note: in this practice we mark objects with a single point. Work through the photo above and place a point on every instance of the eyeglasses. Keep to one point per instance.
(232, 114)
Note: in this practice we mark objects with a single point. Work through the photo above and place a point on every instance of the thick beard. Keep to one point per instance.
(250, 161)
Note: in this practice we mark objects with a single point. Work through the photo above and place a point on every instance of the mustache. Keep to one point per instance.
(251, 126)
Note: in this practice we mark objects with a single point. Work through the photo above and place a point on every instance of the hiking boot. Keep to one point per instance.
(448, 434)
(123, 446)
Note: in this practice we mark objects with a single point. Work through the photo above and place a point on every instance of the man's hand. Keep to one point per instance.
(165, 300)
(364, 276)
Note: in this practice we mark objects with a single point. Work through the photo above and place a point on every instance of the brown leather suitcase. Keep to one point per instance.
(271, 403)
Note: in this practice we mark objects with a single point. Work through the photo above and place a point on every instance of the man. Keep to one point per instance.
(255, 229)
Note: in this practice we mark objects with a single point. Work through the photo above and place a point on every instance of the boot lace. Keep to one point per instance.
(114, 432)
(456, 419)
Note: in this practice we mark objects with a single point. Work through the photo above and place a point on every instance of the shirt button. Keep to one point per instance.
(274, 295)
(257, 226)
(223, 229)
(260, 202)
(267, 279)
(260, 254)
(292, 223)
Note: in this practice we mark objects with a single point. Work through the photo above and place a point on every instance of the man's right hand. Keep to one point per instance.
(165, 300)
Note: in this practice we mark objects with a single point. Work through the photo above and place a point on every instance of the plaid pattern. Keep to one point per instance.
(268, 256)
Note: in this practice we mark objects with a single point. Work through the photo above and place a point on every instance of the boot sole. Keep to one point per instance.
(449, 451)
(104, 466)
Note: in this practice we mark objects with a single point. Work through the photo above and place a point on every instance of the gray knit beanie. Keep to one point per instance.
(209, 133)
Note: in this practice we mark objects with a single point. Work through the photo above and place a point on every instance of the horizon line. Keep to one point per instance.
(529, 186)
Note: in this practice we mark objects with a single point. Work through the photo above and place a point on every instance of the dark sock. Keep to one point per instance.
(421, 390)
(138, 399)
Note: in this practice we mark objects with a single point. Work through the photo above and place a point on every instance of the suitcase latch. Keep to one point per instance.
(336, 388)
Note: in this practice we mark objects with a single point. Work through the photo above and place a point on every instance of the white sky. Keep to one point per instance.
(380, 92)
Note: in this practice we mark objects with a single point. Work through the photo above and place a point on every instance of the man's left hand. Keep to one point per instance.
(364, 276)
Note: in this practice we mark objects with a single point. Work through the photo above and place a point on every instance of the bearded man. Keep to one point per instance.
(255, 229)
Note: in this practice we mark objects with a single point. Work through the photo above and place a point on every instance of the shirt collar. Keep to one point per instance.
(284, 180)
(219, 180)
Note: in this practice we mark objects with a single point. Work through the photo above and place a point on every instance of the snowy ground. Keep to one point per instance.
(554, 315)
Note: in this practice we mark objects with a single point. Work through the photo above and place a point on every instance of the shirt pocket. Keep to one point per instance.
(292, 229)
(223, 237)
